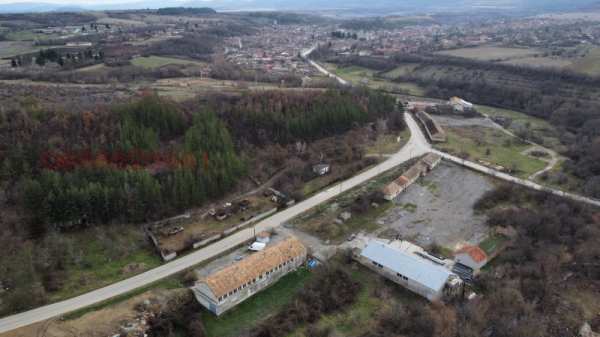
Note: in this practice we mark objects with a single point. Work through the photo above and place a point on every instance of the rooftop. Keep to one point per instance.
(242, 272)
(405, 263)
(476, 253)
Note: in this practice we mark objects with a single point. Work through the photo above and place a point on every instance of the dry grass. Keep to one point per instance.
(490, 53)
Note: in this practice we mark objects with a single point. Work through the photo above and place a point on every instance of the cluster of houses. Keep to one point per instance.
(420, 169)
(275, 49)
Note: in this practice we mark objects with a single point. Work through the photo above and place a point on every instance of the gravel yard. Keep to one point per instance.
(439, 209)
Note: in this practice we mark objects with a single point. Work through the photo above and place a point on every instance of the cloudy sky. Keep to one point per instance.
(79, 2)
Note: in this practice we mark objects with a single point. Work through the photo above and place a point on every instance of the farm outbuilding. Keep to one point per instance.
(472, 257)
(235, 283)
(410, 267)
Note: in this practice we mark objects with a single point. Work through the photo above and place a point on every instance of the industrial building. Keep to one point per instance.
(411, 267)
(234, 284)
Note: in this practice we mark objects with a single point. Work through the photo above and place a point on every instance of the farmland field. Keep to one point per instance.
(589, 64)
(549, 62)
(152, 62)
(492, 146)
(364, 76)
(540, 128)
(490, 53)
(28, 35)
(12, 48)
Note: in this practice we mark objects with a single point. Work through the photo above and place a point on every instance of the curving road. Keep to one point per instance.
(416, 146)
(484, 169)
(322, 70)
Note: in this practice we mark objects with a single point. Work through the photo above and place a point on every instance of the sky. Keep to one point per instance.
(80, 2)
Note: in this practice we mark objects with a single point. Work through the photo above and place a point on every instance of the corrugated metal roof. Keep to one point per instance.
(415, 268)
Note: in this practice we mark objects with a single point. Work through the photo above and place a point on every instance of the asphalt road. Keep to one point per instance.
(322, 70)
(416, 146)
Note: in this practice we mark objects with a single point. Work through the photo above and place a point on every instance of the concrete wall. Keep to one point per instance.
(430, 294)
(206, 298)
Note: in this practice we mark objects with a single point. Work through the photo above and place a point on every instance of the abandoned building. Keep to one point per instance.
(234, 284)
(472, 257)
(421, 168)
(460, 104)
(434, 131)
(411, 267)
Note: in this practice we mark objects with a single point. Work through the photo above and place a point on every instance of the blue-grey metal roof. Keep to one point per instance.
(415, 268)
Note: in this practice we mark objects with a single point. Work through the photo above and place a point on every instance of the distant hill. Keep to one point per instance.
(405, 6)
(185, 11)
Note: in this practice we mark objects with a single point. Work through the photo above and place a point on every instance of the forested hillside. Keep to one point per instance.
(153, 157)
(281, 118)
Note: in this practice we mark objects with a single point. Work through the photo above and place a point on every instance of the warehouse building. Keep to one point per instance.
(411, 267)
(234, 284)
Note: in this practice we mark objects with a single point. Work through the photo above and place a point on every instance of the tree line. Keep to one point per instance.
(206, 165)
(276, 117)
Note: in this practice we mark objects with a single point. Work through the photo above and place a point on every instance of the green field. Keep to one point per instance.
(490, 53)
(359, 318)
(388, 144)
(28, 35)
(540, 128)
(364, 76)
(14, 48)
(99, 264)
(492, 243)
(544, 62)
(250, 312)
(503, 149)
(589, 64)
(153, 62)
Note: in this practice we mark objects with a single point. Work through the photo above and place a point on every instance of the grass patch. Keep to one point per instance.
(359, 318)
(98, 266)
(153, 62)
(492, 146)
(321, 220)
(492, 243)
(490, 53)
(372, 79)
(540, 128)
(589, 64)
(28, 35)
(409, 207)
(250, 312)
(388, 143)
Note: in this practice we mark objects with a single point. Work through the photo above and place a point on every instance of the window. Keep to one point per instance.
(377, 264)
(402, 276)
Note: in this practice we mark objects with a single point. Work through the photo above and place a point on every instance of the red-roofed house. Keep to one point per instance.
(472, 257)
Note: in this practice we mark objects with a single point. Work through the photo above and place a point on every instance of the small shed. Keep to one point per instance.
(472, 257)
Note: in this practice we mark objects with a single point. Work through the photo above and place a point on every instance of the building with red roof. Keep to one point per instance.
(472, 257)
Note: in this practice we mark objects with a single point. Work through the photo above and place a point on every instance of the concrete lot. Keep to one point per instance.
(439, 209)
